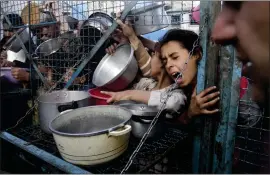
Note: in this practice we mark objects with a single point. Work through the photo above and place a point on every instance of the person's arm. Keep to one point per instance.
(174, 103)
(148, 43)
(200, 104)
(142, 56)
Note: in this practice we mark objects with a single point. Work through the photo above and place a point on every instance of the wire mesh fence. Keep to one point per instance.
(64, 31)
(60, 33)
(251, 153)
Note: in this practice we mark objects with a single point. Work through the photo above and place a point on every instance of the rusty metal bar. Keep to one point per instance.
(207, 77)
(230, 75)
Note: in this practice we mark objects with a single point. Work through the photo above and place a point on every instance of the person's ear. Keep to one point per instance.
(197, 56)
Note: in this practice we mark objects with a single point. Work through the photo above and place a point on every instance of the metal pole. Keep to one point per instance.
(207, 77)
(230, 75)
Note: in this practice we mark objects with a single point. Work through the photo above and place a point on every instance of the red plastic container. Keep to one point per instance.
(98, 98)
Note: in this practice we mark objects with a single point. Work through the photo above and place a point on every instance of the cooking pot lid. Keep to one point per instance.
(140, 109)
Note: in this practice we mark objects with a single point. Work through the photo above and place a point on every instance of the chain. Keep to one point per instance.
(168, 94)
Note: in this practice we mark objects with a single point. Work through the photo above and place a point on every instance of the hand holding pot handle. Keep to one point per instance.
(127, 129)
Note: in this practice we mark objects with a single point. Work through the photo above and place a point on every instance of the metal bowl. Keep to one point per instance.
(48, 47)
(14, 44)
(115, 72)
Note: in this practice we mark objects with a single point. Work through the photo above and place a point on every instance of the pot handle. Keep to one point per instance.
(63, 112)
(127, 129)
(62, 108)
(144, 121)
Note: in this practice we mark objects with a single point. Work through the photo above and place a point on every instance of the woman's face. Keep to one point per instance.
(174, 56)
(156, 64)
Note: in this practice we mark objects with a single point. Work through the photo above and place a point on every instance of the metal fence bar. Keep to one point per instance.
(207, 77)
(229, 83)
(49, 158)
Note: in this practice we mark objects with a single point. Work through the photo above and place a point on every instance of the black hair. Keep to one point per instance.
(185, 37)
(15, 20)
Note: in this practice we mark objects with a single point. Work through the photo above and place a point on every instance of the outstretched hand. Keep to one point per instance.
(117, 96)
(201, 103)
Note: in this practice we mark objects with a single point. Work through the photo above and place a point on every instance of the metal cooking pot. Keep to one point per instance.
(66, 43)
(92, 135)
(52, 104)
(48, 47)
(91, 31)
(13, 43)
(100, 16)
(115, 72)
(148, 17)
(142, 116)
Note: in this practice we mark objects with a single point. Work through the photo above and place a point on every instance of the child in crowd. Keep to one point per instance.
(152, 87)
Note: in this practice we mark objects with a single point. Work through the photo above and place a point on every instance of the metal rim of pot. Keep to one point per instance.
(121, 72)
(142, 111)
(95, 23)
(65, 92)
(101, 15)
(45, 42)
(104, 131)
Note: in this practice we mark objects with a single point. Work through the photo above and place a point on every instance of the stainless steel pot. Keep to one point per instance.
(140, 126)
(100, 16)
(48, 47)
(91, 31)
(142, 116)
(14, 44)
(52, 104)
(98, 24)
(117, 71)
(148, 17)
(92, 135)
(66, 43)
